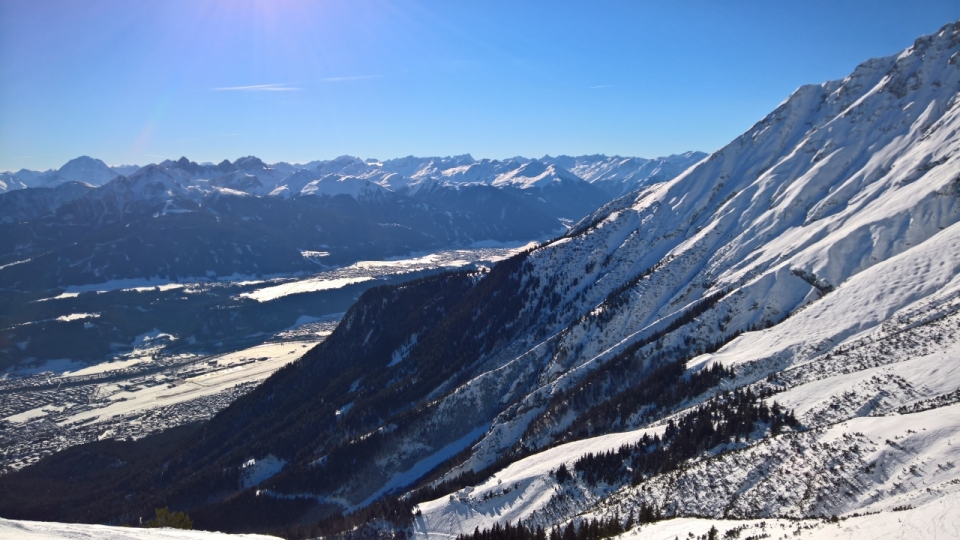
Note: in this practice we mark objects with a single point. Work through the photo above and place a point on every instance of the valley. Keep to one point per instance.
(163, 379)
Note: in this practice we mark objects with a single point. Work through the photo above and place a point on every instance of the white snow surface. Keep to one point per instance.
(256, 471)
(77, 317)
(513, 493)
(45, 530)
(934, 520)
(301, 286)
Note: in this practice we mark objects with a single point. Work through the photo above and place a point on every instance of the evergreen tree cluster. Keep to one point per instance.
(622, 381)
(729, 418)
(592, 529)
(663, 388)
(396, 512)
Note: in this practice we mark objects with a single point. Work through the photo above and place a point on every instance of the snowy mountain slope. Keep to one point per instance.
(239, 181)
(269, 176)
(517, 492)
(10, 182)
(838, 211)
(932, 520)
(294, 184)
(19, 180)
(751, 223)
(484, 171)
(907, 462)
(87, 169)
(534, 175)
(413, 170)
(895, 373)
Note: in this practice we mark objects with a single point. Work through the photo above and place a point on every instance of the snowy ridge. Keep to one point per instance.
(82, 169)
(620, 175)
(535, 174)
(331, 185)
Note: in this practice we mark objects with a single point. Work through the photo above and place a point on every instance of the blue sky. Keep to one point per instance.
(141, 81)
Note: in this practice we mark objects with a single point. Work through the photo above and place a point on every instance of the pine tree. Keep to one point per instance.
(166, 518)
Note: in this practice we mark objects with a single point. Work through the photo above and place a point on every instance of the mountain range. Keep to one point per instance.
(771, 333)
(614, 175)
(266, 216)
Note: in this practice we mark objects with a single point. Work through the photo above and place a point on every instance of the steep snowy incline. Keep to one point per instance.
(840, 177)
(903, 374)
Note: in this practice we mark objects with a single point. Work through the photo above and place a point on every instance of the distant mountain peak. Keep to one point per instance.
(250, 162)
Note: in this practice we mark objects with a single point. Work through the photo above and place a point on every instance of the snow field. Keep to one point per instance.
(42, 530)
(238, 367)
(934, 520)
(362, 271)
(513, 493)
(301, 286)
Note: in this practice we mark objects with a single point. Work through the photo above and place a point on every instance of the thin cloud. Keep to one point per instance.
(603, 86)
(353, 78)
(259, 88)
